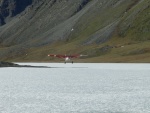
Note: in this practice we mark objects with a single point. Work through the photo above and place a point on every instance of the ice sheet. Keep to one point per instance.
(75, 88)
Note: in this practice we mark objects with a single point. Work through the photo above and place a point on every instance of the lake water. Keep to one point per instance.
(76, 88)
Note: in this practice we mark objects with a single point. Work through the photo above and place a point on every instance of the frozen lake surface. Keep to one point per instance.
(75, 88)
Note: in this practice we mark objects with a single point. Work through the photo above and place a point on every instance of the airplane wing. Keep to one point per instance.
(73, 56)
(58, 56)
(76, 56)
(65, 56)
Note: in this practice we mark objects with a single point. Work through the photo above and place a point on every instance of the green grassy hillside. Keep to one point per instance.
(105, 30)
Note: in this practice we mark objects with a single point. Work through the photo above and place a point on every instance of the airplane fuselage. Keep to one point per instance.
(67, 59)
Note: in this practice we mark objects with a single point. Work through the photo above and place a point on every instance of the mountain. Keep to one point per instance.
(105, 30)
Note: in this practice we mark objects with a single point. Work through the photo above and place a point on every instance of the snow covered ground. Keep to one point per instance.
(75, 88)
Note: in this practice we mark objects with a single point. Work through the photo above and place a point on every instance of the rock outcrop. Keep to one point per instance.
(8, 64)
(10, 8)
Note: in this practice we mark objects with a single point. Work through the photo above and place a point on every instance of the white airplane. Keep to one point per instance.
(67, 58)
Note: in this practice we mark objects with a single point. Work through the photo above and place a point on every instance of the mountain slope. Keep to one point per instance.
(106, 30)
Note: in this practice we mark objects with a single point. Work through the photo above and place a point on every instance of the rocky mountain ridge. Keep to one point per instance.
(31, 29)
(10, 8)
